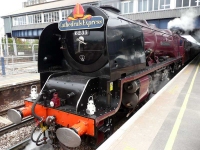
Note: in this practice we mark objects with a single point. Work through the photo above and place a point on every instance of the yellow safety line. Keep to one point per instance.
(174, 132)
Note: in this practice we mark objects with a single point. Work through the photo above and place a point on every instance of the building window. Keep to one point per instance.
(164, 4)
(142, 5)
(66, 13)
(127, 7)
(155, 5)
(150, 5)
(51, 17)
(17, 21)
(187, 3)
(34, 19)
(194, 3)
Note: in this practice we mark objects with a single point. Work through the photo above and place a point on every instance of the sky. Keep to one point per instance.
(8, 6)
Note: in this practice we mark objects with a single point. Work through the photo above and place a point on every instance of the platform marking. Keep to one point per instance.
(187, 72)
(174, 89)
(129, 148)
(175, 129)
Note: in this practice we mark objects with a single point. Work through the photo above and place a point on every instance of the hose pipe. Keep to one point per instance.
(42, 141)
(33, 108)
(32, 139)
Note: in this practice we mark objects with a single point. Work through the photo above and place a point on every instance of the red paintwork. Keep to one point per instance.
(65, 119)
(144, 87)
(26, 111)
(162, 43)
(56, 100)
(80, 127)
(78, 11)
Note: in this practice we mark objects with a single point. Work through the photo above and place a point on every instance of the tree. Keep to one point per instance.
(9, 40)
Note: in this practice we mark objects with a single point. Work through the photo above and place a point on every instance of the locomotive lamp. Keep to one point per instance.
(91, 109)
(34, 93)
(52, 104)
(55, 101)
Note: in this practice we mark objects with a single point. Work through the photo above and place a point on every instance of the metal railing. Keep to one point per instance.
(18, 58)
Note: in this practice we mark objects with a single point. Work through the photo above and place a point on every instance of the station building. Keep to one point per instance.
(35, 15)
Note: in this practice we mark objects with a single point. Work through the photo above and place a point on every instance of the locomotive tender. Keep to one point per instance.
(93, 64)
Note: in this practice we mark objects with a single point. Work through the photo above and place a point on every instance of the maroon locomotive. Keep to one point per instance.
(93, 65)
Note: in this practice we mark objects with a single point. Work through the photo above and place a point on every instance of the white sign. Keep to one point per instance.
(20, 53)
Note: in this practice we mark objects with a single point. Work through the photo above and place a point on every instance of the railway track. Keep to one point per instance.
(11, 127)
(14, 134)
(3, 117)
(20, 145)
(4, 112)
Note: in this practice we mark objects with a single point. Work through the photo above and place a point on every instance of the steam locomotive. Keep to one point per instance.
(94, 64)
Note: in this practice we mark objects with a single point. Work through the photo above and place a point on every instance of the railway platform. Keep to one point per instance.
(12, 80)
(168, 121)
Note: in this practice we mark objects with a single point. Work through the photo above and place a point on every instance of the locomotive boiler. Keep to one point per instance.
(92, 65)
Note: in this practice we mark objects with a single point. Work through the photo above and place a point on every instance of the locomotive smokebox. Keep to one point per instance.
(109, 45)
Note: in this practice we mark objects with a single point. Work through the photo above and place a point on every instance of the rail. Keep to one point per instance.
(20, 145)
(12, 127)
(4, 112)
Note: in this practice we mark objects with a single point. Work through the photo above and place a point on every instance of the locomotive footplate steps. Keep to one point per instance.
(170, 120)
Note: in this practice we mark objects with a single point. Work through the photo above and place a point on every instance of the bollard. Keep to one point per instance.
(3, 66)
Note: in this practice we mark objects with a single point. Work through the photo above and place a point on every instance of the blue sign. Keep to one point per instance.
(92, 23)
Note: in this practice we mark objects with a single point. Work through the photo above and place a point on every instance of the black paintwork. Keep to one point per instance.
(125, 47)
(112, 52)
(50, 55)
(66, 84)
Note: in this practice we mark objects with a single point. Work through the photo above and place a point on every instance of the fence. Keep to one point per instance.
(20, 58)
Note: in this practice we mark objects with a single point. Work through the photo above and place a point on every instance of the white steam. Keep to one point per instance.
(197, 34)
(186, 21)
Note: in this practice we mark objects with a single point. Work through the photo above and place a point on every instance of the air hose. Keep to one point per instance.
(40, 120)
(39, 141)
(33, 108)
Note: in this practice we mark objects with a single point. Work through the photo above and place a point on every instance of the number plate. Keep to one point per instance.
(81, 32)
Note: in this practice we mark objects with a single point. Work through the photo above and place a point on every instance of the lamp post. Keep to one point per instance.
(1, 47)
(1, 54)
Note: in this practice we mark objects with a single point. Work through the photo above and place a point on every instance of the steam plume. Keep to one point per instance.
(185, 22)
